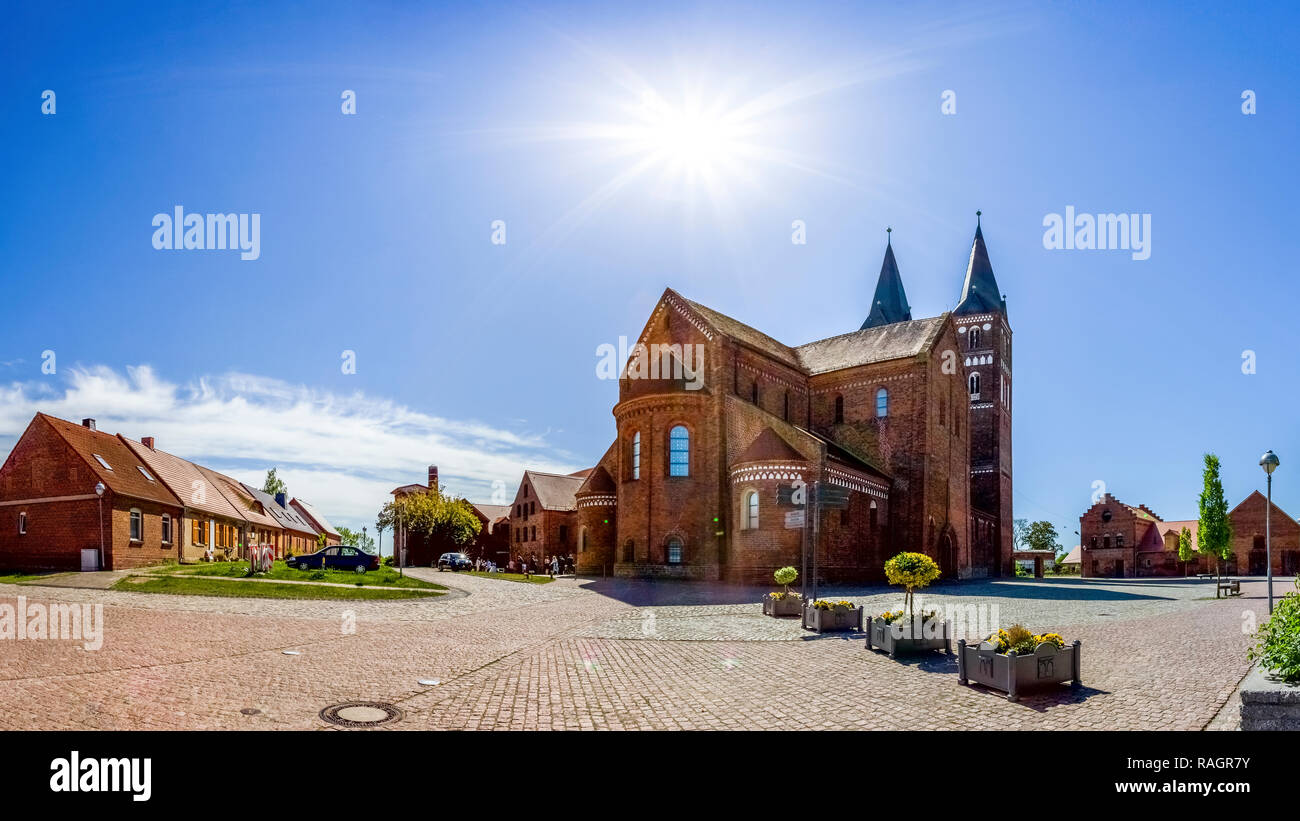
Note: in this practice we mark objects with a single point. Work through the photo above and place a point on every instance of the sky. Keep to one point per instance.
(520, 182)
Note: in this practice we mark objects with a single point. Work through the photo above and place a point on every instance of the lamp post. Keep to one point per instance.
(99, 491)
(1269, 463)
(363, 537)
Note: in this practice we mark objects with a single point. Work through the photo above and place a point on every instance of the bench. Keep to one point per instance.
(1205, 575)
(1232, 588)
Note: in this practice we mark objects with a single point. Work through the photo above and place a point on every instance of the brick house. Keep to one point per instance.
(1123, 541)
(543, 517)
(317, 521)
(261, 528)
(911, 416)
(50, 514)
(491, 543)
(212, 523)
(297, 536)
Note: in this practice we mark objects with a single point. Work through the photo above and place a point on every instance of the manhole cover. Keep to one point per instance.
(251, 711)
(361, 714)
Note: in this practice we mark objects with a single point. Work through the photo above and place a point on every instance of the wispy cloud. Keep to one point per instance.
(343, 453)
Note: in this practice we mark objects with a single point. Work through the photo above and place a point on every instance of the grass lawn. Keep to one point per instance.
(384, 576)
(511, 577)
(199, 586)
(17, 577)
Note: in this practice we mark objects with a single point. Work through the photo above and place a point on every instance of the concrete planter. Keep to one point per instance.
(884, 636)
(837, 618)
(1012, 673)
(787, 607)
(1269, 704)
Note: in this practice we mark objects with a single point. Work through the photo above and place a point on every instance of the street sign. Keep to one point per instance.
(794, 494)
(793, 519)
(832, 497)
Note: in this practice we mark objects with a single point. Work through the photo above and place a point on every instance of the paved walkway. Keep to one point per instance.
(591, 653)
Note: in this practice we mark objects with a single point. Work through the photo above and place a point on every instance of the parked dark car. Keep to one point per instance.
(455, 562)
(337, 557)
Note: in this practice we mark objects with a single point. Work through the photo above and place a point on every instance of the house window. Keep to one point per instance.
(101, 461)
(1105, 541)
(144, 472)
(166, 528)
(636, 455)
(679, 451)
(532, 508)
(751, 510)
(22, 524)
(1092, 544)
(786, 411)
(974, 384)
(872, 517)
(137, 525)
(839, 410)
(1119, 540)
(534, 533)
(198, 531)
(882, 403)
(674, 551)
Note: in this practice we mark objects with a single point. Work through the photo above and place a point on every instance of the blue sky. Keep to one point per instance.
(376, 227)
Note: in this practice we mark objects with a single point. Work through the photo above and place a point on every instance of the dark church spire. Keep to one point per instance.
(890, 303)
(980, 294)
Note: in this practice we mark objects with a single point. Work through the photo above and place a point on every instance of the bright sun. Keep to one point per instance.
(687, 139)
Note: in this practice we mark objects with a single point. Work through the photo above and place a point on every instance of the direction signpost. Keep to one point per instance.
(822, 495)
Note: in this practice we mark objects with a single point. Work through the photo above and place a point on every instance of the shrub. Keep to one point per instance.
(913, 571)
(317, 575)
(388, 561)
(827, 604)
(785, 576)
(1278, 647)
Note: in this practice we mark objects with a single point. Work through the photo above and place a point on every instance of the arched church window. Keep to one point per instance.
(839, 410)
(751, 510)
(674, 550)
(636, 455)
(974, 337)
(974, 385)
(679, 451)
(882, 403)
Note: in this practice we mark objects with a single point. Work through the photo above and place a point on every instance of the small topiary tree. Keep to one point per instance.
(785, 577)
(913, 571)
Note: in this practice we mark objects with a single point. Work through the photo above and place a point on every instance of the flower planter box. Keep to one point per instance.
(1268, 703)
(884, 636)
(837, 618)
(1013, 674)
(787, 607)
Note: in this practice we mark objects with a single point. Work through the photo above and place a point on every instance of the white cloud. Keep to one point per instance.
(342, 453)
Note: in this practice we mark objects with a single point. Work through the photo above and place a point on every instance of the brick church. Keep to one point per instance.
(911, 416)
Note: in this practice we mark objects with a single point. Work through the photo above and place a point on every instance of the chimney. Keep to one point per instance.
(88, 423)
(282, 500)
(147, 442)
(433, 476)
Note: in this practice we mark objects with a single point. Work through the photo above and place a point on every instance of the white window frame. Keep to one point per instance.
(882, 393)
(751, 510)
(636, 455)
(102, 461)
(166, 528)
(22, 523)
(136, 512)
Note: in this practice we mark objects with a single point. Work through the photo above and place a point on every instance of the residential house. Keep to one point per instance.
(52, 518)
(317, 521)
(297, 535)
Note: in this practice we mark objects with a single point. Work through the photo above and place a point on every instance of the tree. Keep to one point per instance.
(1214, 532)
(913, 571)
(274, 484)
(1185, 549)
(433, 515)
(1020, 529)
(785, 577)
(1041, 536)
(357, 539)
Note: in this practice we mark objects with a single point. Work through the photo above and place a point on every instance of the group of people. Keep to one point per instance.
(553, 566)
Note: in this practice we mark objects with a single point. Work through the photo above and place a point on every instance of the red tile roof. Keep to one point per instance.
(123, 474)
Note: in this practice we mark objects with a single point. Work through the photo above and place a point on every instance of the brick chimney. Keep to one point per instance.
(282, 500)
(433, 476)
(88, 423)
(147, 441)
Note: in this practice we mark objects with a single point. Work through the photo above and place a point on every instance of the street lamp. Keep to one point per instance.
(99, 491)
(1269, 463)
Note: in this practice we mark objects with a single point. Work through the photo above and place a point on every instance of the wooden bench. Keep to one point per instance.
(1205, 575)
(1232, 588)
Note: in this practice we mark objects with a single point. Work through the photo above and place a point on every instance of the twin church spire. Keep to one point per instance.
(979, 293)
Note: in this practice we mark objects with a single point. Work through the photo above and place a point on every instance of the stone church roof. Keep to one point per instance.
(742, 332)
(768, 446)
(894, 341)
